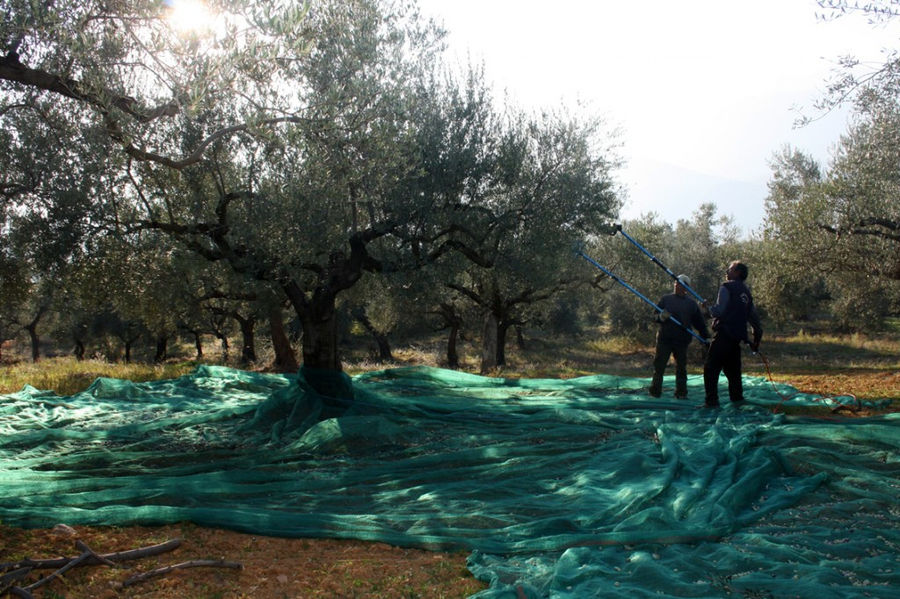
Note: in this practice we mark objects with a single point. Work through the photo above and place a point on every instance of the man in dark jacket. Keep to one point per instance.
(732, 312)
(673, 339)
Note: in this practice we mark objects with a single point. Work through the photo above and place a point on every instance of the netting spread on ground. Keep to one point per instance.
(559, 488)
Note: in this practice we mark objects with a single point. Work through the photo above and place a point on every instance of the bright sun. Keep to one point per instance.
(189, 16)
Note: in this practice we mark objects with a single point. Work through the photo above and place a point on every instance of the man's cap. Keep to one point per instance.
(684, 280)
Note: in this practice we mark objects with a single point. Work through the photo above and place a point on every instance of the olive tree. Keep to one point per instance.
(789, 283)
(841, 228)
(283, 145)
(550, 183)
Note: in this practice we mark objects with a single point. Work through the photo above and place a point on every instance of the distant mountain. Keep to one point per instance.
(674, 193)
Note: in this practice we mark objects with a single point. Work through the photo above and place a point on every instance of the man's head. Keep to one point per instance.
(681, 282)
(737, 271)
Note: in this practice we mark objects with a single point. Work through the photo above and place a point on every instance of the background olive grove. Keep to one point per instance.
(309, 171)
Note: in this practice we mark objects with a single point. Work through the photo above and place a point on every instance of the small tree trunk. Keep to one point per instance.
(79, 350)
(285, 358)
(248, 341)
(489, 341)
(198, 343)
(223, 341)
(452, 321)
(35, 341)
(162, 345)
(520, 338)
(31, 327)
(452, 354)
(381, 340)
(128, 352)
(384, 347)
(502, 328)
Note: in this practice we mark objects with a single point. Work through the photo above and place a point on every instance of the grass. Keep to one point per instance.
(866, 366)
(66, 375)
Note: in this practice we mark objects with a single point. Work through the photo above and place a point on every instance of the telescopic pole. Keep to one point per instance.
(660, 264)
(618, 280)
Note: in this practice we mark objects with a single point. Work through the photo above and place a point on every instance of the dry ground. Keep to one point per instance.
(272, 568)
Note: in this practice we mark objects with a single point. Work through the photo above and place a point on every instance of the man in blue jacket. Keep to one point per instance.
(673, 339)
(733, 311)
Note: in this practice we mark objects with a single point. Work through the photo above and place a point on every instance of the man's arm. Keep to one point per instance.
(756, 325)
(665, 314)
(699, 322)
(721, 302)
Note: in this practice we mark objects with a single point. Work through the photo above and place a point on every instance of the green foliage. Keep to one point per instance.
(787, 288)
(834, 236)
(555, 186)
(15, 288)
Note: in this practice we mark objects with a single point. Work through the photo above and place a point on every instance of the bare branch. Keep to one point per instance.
(120, 556)
(863, 228)
(11, 69)
(197, 154)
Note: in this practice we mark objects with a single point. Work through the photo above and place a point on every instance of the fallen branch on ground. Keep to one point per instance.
(17, 571)
(120, 556)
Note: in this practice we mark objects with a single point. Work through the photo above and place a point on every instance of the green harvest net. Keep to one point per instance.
(558, 488)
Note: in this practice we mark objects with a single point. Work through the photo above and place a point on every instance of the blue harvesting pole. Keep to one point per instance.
(660, 264)
(618, 280)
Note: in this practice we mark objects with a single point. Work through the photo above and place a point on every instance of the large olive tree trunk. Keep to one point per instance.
(316, 310)
(318, 319)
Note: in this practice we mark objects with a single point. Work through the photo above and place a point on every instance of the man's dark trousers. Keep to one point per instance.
(724, 356)
(663, 350)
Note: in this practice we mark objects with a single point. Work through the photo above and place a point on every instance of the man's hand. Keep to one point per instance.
(664, 316)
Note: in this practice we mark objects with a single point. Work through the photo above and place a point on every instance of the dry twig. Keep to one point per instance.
(197, 563)
(16, 571)
(120, 556)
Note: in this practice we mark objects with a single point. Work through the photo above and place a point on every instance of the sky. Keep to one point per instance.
(704, 92)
